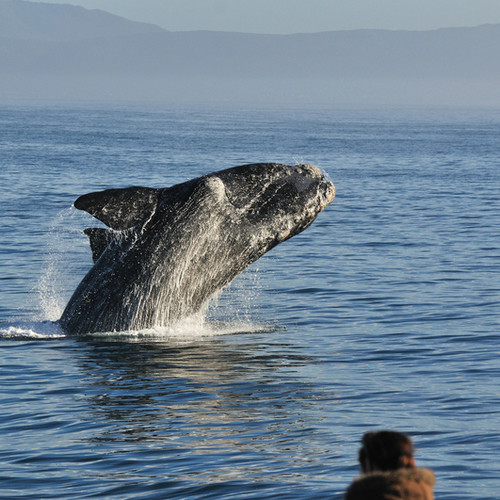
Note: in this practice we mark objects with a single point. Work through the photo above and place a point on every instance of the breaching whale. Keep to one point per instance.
(169, 250)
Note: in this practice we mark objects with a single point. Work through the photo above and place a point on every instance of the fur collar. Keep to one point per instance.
(375, 480)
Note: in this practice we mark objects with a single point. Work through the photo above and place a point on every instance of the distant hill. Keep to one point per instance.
(62, 51)
(22, 20)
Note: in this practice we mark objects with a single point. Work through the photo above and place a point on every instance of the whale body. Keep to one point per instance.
(167, 251)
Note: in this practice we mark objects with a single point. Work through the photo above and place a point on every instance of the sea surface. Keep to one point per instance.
(384, 314)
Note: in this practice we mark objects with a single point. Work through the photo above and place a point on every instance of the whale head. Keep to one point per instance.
(278, 199)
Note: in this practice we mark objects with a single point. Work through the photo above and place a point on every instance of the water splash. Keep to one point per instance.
(187, 330)
(38, 330)
(56, 280)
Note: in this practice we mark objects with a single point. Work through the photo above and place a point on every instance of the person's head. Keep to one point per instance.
(385, 450)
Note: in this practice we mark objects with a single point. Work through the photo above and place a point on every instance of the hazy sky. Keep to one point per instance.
(295, 16)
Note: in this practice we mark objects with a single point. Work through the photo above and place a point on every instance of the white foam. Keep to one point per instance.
(190, 329)
(45, 330)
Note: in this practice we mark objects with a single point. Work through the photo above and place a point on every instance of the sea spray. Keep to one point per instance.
(32, 330)
(57, 279)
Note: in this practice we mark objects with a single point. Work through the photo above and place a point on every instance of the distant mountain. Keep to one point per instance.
(22, 20)
(49, 50)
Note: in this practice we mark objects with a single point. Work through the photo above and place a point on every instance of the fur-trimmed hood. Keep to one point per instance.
(407, 484)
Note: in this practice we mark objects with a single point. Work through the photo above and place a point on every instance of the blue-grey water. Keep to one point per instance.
(383, 314)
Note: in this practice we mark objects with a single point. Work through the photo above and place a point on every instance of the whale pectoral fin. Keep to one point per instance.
(99, 239)
(120, 208)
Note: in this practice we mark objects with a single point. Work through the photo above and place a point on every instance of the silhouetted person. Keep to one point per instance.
(389, 471)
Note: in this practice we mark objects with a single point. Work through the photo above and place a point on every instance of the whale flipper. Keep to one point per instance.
(99, 239)
(120, 208)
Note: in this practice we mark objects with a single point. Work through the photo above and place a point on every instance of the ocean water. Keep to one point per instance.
(383, 314)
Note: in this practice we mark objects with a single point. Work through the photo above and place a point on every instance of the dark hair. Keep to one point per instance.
(385, 449)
